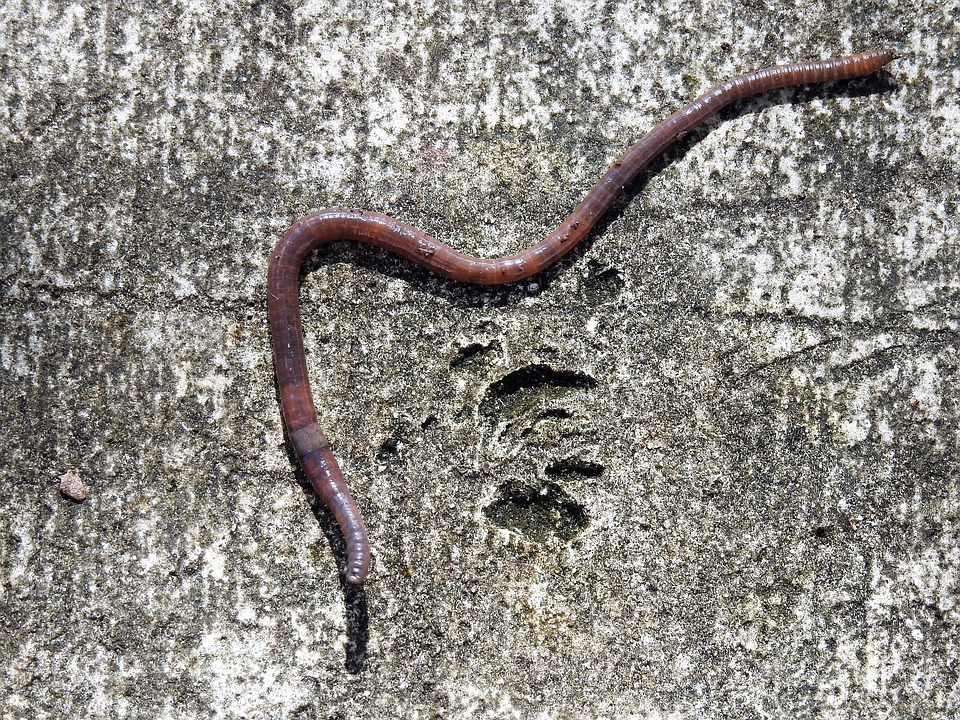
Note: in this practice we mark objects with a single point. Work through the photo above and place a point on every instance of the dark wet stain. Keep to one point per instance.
(389, 450)
(473, 353)
(601, 285)
(537, 512)
(575, 466)
(530, 387)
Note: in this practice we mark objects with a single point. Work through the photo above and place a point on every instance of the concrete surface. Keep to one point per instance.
(705, 468)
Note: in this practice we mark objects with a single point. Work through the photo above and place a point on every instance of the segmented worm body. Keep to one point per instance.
(310, 444)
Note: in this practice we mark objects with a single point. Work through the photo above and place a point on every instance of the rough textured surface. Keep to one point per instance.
(707, 467)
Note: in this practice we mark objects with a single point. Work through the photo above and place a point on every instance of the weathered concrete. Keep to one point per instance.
(706, 468)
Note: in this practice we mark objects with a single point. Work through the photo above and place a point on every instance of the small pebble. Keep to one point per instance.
(71, 486)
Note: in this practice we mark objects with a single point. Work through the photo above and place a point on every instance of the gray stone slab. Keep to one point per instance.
(707, 467)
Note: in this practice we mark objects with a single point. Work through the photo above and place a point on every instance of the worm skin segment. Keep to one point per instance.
(310, 444)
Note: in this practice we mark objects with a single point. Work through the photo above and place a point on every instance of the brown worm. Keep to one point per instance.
(310, 444)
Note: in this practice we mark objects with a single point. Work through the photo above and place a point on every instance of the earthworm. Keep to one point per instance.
(310, 444)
